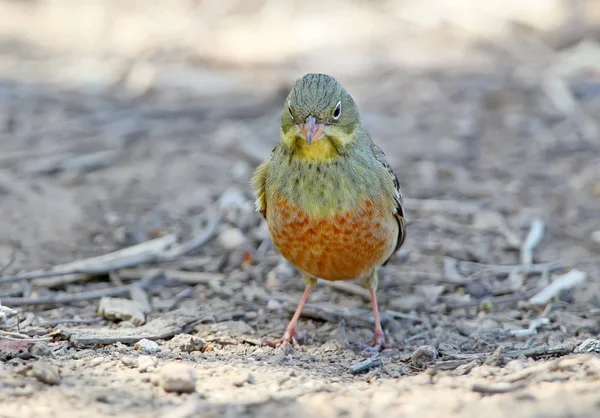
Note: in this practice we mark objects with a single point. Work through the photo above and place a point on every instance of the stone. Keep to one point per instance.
(178, 378)
(147, 346)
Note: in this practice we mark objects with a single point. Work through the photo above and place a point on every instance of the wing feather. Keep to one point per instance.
(259, 180)
(399, 209)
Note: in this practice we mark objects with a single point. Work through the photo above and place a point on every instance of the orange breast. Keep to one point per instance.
(344, 246)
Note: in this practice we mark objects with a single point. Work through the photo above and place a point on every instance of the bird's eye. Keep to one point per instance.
(290, 110)
(337, 111)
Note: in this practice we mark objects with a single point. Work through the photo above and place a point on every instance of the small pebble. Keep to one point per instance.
(240, 170)
(232, 198)
(147, 346)
(96, 361)
(250, 380)
(146, 363)
(423, 355)
(250, 315)
(186, 343)
(41, 348)
(515, 365)
(45, 373)
(178, 377)
(129, 361)
(274, 305)
(232, 238)
(262, 232)
(273, 387)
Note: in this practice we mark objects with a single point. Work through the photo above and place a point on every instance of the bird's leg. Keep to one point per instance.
(290, 332)
(371, 283)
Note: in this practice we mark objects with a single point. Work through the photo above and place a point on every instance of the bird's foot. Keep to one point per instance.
(290, 338)
(378, 344)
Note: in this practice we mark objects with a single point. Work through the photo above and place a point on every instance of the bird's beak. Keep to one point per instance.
(311, 130)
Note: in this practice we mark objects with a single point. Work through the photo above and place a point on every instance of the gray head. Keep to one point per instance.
(317, 105)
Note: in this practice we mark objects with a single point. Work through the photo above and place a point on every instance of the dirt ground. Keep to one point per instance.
(148, 127)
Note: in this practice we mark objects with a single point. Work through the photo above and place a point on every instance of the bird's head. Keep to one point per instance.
(319, 117)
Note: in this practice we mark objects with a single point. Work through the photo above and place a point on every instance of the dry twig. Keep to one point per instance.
(160, 249)
(365, 365)
(55, 322)
(566, 281)
(533, 239)
(127, 257)
(182, 276)
(195, 243)
(350, 288)
(166, 326)
(68, 298)
(493, 300)
(18, 335)
(453, 267)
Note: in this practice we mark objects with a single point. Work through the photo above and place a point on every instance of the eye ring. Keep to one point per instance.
(337, 111)
(290, 110)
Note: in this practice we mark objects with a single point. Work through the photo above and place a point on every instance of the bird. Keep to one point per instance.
(331, 201)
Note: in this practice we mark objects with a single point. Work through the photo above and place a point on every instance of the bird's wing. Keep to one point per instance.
(399, 209)
(259, 180)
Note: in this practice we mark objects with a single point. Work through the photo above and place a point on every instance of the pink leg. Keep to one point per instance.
(290, 332)
(379, 337)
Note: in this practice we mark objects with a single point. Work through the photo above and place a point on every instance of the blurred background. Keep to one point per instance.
(138, 114)
(124, 120)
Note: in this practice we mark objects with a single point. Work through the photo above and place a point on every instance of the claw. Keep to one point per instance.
(378, 344)
(290, 337)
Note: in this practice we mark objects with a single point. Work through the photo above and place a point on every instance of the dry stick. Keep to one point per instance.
(531, 331)
(350, 288)
(365, 365)
(192, 245)
(83, 296)
(524, 332)
(530, 269)
(68, 298)
(150, 251)
(455, 359)
(557, 364)
(566, 281)
(127, 257)
(534, 237)
(400, 315)
(187, 277)
(13, 334)
(589, 345)
(29, 340)
(6, 312)
(70, 321)
(453, 276)
(494, 300)
(166, 326)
